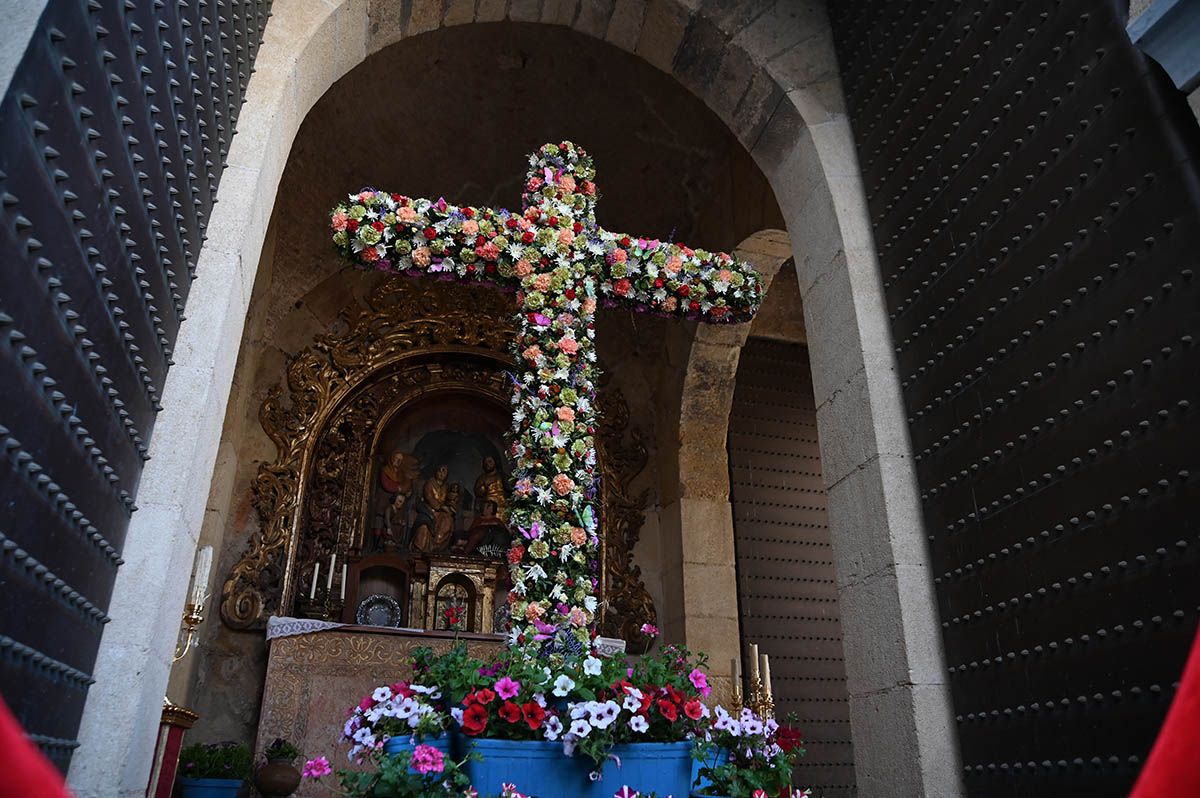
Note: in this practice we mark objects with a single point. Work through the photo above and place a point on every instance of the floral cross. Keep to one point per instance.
(562, 264)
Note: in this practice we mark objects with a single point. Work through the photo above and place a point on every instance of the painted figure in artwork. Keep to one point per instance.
(447, 515)
(490, 487)
(429, 504)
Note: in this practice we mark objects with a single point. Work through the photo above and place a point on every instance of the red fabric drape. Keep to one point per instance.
(1173, 769)
(27, 773)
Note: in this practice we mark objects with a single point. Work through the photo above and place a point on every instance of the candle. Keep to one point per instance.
(766, 676)
(329, 580)
(343, 581)
(735, 670)
(200, 575)
(753, 661)
(312, 594)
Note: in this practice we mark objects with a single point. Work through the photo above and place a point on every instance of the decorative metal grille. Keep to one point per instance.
(115, 129)
(1033, 185)
(787, 597)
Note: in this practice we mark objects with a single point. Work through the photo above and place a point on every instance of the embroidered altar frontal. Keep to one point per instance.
(316, 670)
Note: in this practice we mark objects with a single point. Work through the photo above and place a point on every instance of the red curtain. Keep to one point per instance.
(1173, 769)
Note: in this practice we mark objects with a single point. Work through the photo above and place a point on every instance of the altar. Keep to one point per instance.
(316, 670)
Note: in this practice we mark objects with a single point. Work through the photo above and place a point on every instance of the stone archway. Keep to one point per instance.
(768, 71)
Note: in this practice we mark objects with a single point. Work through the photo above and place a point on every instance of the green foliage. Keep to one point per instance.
(215, 761)
(281, 749)
(391, 777)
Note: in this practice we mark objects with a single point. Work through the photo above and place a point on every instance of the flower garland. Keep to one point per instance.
(562, 265)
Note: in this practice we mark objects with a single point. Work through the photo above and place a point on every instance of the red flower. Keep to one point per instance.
(485, 696)
(624, 242)
(622, 287)
(534, 714)
(378, 226)
(528, 236)
(352, 225)
(475, 719)
(469, 213)
(510, 712)
(789, 737)
(693, 305)
(684, 290)
(577, 227)
(693, 709)
(511, 224)
(668, 710)
(430, 233)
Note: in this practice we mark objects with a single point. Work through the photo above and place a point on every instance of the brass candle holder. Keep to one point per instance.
(193, 616)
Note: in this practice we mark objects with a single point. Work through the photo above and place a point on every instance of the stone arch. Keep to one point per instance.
(767, 70)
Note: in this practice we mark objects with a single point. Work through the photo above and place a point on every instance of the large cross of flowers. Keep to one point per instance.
(562, 265)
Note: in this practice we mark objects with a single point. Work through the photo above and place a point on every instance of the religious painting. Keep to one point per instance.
(439, 481)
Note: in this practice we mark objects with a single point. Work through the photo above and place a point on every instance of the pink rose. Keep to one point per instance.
(421, 256)
(339, 221)
(406, 214)
(577, 617)
(618, 255)
(578, 535)
(669, 304)
(533, 184)
(567, 183)
(566, 414)
(724, 275)
(568, 345)
(471, 227)
(566, 236)
(532, 353)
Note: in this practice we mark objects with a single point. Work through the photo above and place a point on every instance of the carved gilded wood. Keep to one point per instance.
(415, 337)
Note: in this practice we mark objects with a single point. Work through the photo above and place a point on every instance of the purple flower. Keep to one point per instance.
(507, 688)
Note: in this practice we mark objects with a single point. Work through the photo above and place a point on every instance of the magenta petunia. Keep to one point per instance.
(507, 688)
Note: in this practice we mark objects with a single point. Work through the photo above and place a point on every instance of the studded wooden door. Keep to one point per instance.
(1034, 187)
(113, 135)
(787, 599)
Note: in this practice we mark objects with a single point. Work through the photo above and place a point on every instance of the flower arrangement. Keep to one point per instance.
(760, 758)
(562, 265)
(215, 761)
(586, 702)
(425, 771)
(394, 710)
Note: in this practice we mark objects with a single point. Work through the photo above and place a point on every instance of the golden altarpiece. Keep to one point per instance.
(383, 512)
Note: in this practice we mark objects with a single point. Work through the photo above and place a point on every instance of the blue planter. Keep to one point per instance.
(398, 745)
(663, 768)
(210, 788)
(713, 760)
(537, 768)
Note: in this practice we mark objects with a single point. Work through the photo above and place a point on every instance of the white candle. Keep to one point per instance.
(329, 579)
(735, 670)
(343, 581)
(312, 594)
(753, 661)
(766, 675)
(200, 575)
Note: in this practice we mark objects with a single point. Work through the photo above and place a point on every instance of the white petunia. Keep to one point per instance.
(552, 728)
(639, 724)
(592, 666)
(563, 685)
(580, 728)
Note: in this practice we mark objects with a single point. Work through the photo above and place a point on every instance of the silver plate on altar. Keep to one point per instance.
(378, 610)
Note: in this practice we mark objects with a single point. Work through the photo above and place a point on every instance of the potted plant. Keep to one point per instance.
(419, 773)
(395, 718)
(216, 770)
(278, 777)
(745, 756)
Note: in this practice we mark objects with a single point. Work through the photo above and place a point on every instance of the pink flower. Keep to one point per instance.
(627, 792)
(541, 282)
(589, 306)
(578, 536)
(563, 484)
(507, 688)
(339, 221)
(577, 617)
(673, 265)
(533, 184)
(567, 183)
(406, 214)
(566, 236)
(622, 287)
(420, 256)
(471, 227)
(524, 486)
(618, 255)
(568, 344)
(649, 630)
(532, 353)
(566, 414)
(523, 269)
(316, 768)
(427, 759)
(700, 682)
(488, 251)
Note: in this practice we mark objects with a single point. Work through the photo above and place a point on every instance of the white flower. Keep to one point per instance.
(590, 603)
(580, 728)
(632, 704)
(457, 714)
(552, 728)
(563, 685)
(592, 666)
(639, 724)
(603, 714)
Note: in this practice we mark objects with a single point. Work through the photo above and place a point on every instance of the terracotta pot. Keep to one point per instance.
(277, 778)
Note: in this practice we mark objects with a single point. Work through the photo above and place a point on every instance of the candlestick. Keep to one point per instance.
(200, 575)
(754, 661)
(766, 676)
(332, 563)
(343, 582)
(312, 594)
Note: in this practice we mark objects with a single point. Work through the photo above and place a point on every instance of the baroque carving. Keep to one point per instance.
(405, 319)
(414, 337)
(628, 604)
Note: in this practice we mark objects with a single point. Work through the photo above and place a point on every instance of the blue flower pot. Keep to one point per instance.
(663, 768)
(405, 745)
(537, 768)
(714, 760)
(210, 788)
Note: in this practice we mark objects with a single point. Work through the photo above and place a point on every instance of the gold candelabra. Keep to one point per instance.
(193, 616)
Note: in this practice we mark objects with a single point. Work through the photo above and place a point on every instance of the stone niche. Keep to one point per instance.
(488, 95)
